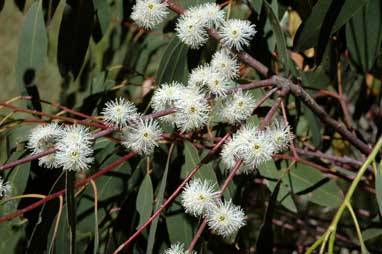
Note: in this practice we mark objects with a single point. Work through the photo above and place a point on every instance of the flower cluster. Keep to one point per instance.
(74, 151)
(44, 137)
(213, 80)
(255, 146)
(73, 144)
(193, 24)
(199, 198)
(5, 188)
(191, 105)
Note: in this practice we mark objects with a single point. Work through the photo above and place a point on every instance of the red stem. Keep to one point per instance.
(64, 118)
(62, 192)
(222, 189)
(173, 195)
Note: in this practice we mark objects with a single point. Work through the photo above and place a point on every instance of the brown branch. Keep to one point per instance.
(297, 90)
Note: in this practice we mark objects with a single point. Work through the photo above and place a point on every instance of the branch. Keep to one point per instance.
(62, 192)
(174, 194)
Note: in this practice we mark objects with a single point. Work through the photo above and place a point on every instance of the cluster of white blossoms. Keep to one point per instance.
(255, 146)
(74, 148)
(199, 198)
(192, 104)
(193, 24)
(42, 138)
(5, 188)
(177, 248)
(73, 144)
(192, 109)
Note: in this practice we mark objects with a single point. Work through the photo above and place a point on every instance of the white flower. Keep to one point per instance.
(119, 112)
(258, 149)
(225, 64)
(278, 134)
(209, 14)
(237, 33)
(250, 145)
(238, 107)
(197, 196)
(192, 110)
(225, 218)
(231, 153)
(5, 188)
(191, 31)
(142, 136)
(44, 137)
(149, 13)
(165, 98)
(217, 84)
(199, 76)
(74, 151)
(177, 248)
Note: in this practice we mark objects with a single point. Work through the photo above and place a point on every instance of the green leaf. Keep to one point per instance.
(32, 49)
(378, 188)
(103, 13)
(280, 39)
(71, 209)
(191, 160)
(314, 125)
(257, 4)
(371, 233)
(178, 225)
(270, 171)
(158, 202)
(13, 231)
(173, 65)
(364, 35)
(306, 180)
(74, 35)
(144, 202)
(308, 32)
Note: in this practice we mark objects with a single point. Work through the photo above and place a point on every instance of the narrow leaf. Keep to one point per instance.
(378, 188)
(32, 51)
(144, 201)
(173, 65)
(280, 39)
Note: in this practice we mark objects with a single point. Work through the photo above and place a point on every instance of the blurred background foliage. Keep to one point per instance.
(80, 53)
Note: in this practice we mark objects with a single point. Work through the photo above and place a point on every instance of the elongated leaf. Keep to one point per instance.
(270, 171)
(378, 188)
(71, 209)
(173, 65)
(103, 11)
(371, 233)
(306, 180)
(364, 35)
(191, 160)
(74, 35)
(178, 225)
(280, 39)
(257, 4)
(14, 230)
(144, 201)
(32, 50)
(159, 200)
(264, 243)
(308, 33)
